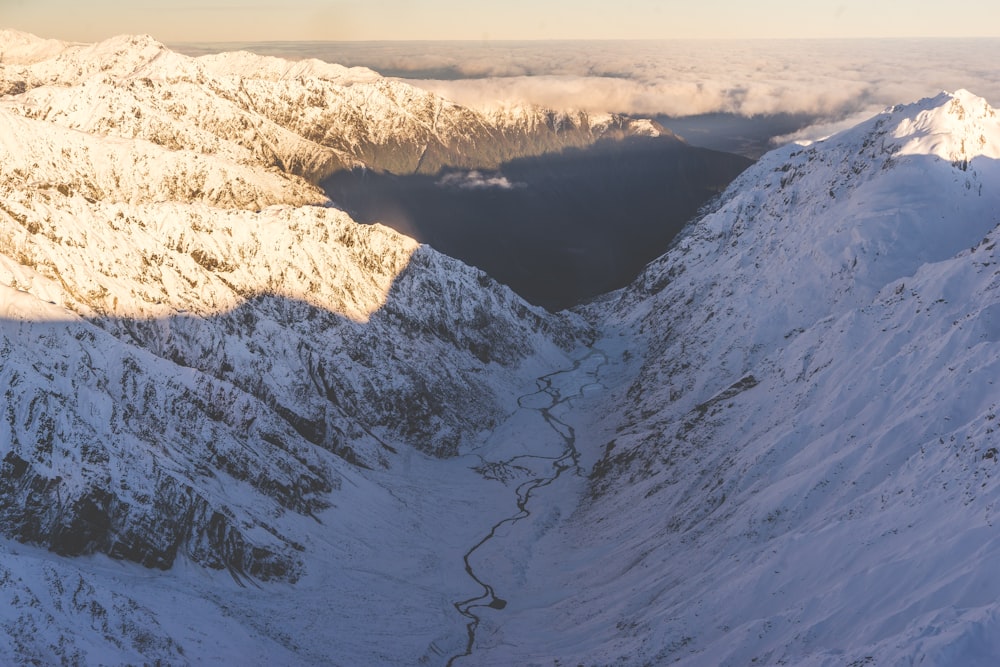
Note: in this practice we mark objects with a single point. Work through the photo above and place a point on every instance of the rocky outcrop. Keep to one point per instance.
(193, 345)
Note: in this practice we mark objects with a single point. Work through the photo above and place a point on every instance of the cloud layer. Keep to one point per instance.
(826, 80)
(686, 77)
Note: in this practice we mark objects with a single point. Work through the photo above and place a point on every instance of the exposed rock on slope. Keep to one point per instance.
(307, 118)
(261, 336)
(191, 351)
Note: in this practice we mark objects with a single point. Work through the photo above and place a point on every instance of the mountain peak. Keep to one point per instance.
(953, 126)
(956, 127)
(125, 47)
(829, 225)
(22, 48)
(818, 379)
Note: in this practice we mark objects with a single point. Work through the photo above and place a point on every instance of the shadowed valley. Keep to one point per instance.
(558, 229)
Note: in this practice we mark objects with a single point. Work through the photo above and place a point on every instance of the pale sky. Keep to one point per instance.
(261, 20)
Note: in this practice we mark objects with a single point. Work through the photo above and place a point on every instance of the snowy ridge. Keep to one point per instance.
(244, 64)
(333, 355)
(804, 465)
(308, 118)
(39, 157)
(22, 48)
(818, 229)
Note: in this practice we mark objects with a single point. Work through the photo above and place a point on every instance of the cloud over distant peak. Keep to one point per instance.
(652, 97)
(685, 77)
(824, 80)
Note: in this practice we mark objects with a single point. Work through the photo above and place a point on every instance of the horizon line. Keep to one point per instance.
(575, 39)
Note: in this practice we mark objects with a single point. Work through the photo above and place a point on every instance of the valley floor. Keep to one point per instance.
(431, 561)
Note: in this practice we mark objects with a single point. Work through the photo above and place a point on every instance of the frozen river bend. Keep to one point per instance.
(237, 427)
(533, 461)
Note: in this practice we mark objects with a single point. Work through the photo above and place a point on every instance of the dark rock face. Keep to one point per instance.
(155, 511)
(121, 448)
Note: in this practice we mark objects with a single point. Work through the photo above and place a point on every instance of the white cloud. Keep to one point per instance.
(822, 130)
(476, 180)
(823, 78)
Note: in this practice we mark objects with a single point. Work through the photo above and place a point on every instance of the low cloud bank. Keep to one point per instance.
(826, 80)
(681, 77)
(653, 98)
(823, 78)
(824, 129)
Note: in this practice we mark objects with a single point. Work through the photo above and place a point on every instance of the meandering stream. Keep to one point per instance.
(567, 460)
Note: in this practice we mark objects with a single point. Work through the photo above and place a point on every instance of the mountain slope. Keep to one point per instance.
(248, 300)
(800, 464)
(197, 352)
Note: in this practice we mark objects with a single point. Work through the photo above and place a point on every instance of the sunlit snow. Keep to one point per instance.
(331, 446)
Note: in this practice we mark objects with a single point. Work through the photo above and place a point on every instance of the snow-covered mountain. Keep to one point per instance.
(798, 463)
(307, 118)
(240, 428)
(197, 350)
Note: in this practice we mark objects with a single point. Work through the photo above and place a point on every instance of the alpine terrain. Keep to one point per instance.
(238, 427)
